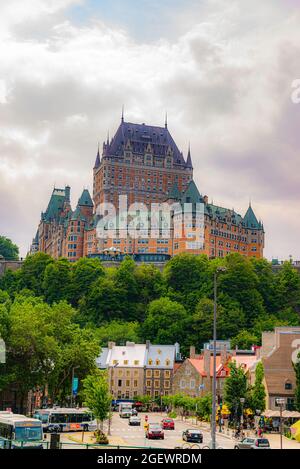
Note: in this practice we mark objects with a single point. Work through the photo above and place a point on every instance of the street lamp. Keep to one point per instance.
(242, 400)
(109, 388)
(214, 384)
(280, 401)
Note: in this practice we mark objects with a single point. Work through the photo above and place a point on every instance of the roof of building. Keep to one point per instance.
(198, 364)
(85, 199)
(140, 136)
(246, 361)
(55, 206)
(161, 356)
(133, 355)
(101, 361)
(250, 220)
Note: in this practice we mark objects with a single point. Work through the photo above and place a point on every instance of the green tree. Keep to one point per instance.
(297, 390)
(84, 273)
(258, 393)
(288, 287)
(97, 396)
(165, 323)
(32, 272)
(118, 332)
(8, 249)
(57, 279)
(244, 340)
(235, 388)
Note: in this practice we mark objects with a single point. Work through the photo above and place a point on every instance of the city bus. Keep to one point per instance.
(66, 419)
(125, 409)
(19, 431)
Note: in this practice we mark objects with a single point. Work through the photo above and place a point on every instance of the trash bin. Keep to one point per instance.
(54, 440)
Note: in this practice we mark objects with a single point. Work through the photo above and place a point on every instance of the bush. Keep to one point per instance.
(101, 438)
(172, 415)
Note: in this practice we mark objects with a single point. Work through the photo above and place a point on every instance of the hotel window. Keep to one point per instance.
(148, 393)
(136, 362)
(149, 373)
(136, 373)
(148, 383)
(156, 393)
(167, 374)
(135, 383)
(156, 373)
(156, 383)
(119, 383)
(128, 373)
(127, 383)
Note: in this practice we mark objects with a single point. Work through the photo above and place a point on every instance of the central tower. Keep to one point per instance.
(142, 162)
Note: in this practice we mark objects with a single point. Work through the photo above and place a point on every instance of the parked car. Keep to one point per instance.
(154, 431)
(168, 424)
(193, 436)
(253, 443)
(134, 420)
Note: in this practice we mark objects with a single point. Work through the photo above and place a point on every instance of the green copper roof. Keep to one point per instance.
(250, 220)
(55, 205)
(85, 199)
(175, 192)
(192, 195)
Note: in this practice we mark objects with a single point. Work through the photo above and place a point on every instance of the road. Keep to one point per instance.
(123, 434)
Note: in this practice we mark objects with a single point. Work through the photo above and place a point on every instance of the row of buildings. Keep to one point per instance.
(143, 163)
(159, 370)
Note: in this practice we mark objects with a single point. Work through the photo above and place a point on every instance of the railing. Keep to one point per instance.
(67, 445)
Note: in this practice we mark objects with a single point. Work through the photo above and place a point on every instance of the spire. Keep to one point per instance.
(97, 162)
(122, 117)
(250, 220)
(189, 158)
(166, 120)
(107, 142)
(85, 199)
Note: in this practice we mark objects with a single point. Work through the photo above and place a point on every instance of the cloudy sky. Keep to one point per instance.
(223, 71)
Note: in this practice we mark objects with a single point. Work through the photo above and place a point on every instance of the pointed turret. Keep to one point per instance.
(192, 194)
(250, 220)
(97, 162)
(189, 159)
(85, 199)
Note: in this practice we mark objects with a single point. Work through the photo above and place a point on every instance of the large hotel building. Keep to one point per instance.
(144, 163)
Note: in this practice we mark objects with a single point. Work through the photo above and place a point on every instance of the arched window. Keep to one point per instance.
(157, 362)
(150, 361)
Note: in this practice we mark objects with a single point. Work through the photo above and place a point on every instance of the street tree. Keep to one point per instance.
(96, 395)
(8, 249)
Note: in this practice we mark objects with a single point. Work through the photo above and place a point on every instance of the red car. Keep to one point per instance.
(154, 431)
(168, 424)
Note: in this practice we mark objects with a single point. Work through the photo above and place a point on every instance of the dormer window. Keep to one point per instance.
(157, 362)
(288, 385)
(150, 361)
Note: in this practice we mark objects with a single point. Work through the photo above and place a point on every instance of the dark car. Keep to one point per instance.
(168, 424)
(154, 431)
(193, 436)
(253, 443)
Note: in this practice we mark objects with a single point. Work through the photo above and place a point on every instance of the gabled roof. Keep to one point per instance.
(85, 199)
(139, 136)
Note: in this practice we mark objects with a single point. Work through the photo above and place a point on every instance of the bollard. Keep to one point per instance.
(54, 440)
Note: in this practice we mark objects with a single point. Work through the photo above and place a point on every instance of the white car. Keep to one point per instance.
(134, 420)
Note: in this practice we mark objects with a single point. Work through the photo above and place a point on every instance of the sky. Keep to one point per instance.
(224, 71)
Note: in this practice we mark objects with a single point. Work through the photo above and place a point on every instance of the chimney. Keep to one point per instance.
(224, 355)
(206, 358)
(147, 344)
(111, 345)
(192, 351)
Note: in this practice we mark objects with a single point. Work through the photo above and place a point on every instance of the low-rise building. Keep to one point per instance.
(139, 369)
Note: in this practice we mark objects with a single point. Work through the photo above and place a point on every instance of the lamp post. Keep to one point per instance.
(214, 384)
(109, 388)
(242, 400)
(280, 401)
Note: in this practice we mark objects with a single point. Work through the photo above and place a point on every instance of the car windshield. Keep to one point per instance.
(263, 442)
(28, 433)
(194, 432)
(154, 427)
